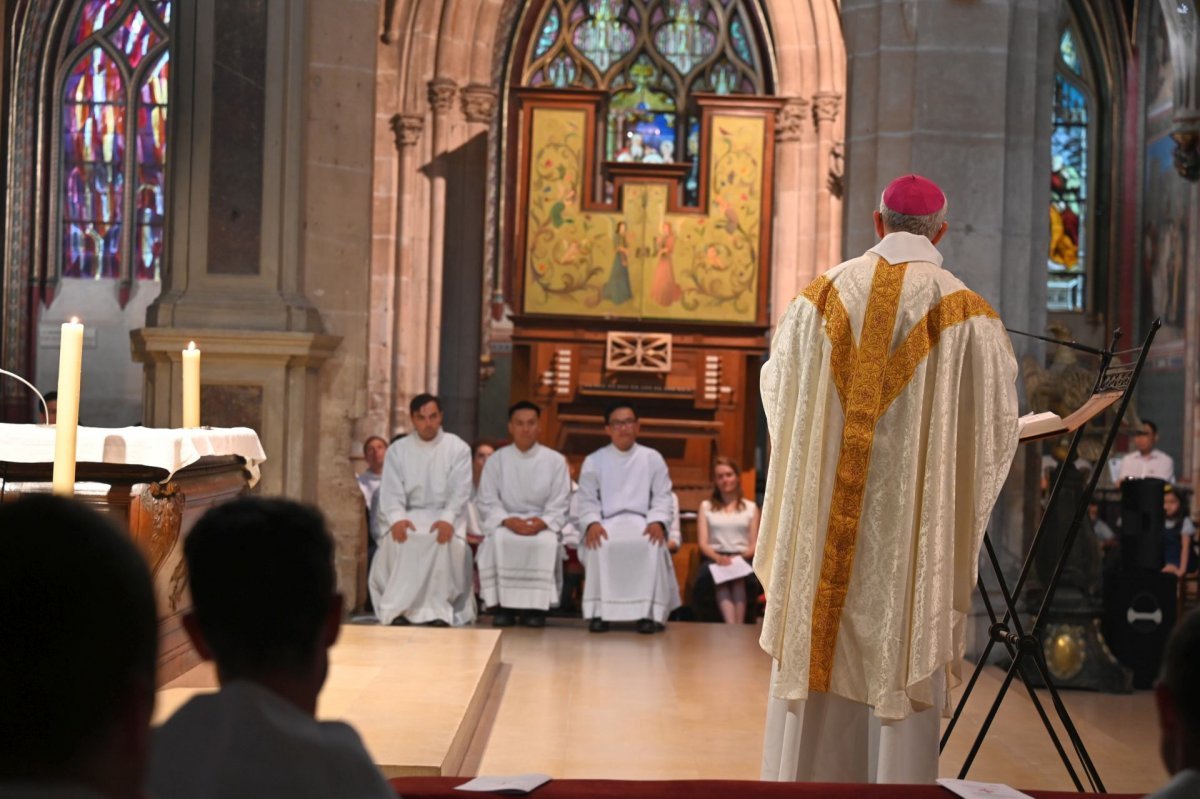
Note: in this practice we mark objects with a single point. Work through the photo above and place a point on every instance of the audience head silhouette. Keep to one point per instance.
(80, 640)
(1178, 697)
(265, 606)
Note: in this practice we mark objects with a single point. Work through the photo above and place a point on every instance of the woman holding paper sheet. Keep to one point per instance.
(727, 530)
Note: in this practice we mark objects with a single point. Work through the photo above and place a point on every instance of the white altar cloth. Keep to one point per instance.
(167, 449)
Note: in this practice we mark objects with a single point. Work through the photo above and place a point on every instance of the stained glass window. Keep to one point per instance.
(112, 207)
(651, 55)
(1069, 153)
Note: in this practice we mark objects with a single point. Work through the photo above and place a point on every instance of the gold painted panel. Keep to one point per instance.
(642, 262)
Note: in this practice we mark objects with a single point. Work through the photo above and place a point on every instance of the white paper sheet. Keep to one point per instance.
(736, 570)
(969, 789)
(514, 785)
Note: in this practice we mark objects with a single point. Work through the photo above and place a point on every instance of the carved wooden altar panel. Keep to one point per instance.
(624, 291)
(158, 516)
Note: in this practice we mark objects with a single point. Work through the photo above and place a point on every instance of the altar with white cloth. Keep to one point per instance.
(155, 483)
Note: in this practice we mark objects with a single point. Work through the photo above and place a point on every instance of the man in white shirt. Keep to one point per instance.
(1146, 461)
(524, 497)
(266, 609)
(1178, 698)
(624, 508)
(422, 573)
(77, 657)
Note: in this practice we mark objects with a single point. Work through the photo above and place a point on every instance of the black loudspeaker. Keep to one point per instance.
(1142, 521)
(1140, 611)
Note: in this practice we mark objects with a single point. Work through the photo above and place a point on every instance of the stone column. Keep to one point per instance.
(442, 93)
(793, 260)
(961, 92)
(826, 106)
(408, 317)
(234, 275)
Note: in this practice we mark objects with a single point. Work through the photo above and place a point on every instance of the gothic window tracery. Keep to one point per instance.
(112, 141)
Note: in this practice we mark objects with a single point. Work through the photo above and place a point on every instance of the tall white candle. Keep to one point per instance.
(191, 386)
(66, 425)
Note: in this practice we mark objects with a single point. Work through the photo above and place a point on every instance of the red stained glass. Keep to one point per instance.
(105, 125)
(135, 37)
(94, 16)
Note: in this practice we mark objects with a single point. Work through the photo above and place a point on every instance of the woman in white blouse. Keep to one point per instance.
(727, 528)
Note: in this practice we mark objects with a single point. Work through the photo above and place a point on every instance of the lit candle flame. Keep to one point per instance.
(74, 320)
(191, 345)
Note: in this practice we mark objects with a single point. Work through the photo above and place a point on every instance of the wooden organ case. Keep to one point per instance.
(645, 281)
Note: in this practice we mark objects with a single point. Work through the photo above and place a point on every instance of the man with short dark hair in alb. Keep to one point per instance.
(422, 569)
(266, 610)
(524, 498)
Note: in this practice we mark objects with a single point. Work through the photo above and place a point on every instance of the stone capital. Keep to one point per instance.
(826, 106)
(789, 120)
(407, 129)
(442, 92)
(478, 102)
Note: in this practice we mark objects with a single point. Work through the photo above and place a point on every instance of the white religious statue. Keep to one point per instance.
(524, 498)
(624, 509)
(891, 404)
(422, 570)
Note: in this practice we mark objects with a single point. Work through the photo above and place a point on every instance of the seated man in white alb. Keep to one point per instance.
(624, 507)
(422, 570)
(524, 497)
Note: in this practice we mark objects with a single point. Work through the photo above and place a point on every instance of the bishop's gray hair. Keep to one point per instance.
(926, 226)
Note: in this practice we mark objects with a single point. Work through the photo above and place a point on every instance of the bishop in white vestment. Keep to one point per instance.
(891, 405)
(524, 497)
(422, 570)
(624, 510)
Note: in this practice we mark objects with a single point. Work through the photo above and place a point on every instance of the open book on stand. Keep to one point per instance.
(1036, 426)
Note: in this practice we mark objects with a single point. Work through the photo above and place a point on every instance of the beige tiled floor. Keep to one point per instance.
(689, 704)
(415, 694)
(686, 704)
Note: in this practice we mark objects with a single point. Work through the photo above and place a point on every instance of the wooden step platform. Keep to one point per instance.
(415, 694)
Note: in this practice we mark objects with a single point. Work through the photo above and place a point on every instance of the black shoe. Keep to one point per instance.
(597, 625)
(503, 618)
(400, 621)
(437, 623)
(645, 626)
(534, 618)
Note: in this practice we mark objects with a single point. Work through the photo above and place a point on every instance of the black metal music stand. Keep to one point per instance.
(1023, 643)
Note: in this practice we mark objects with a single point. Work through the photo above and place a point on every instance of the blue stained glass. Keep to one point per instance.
(561, 72)
(549, 34)
(163, 9)
(724, 78)
(741, 44)
(1069, 53)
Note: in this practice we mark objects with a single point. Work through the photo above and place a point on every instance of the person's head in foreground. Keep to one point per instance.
(264, 601)
(1177, 695)
(80, 642)
(912, 204)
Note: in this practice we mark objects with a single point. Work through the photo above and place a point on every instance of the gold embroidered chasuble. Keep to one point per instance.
(891, 405)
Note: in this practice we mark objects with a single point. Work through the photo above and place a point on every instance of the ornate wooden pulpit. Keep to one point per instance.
(643, 278)
(153, 483)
